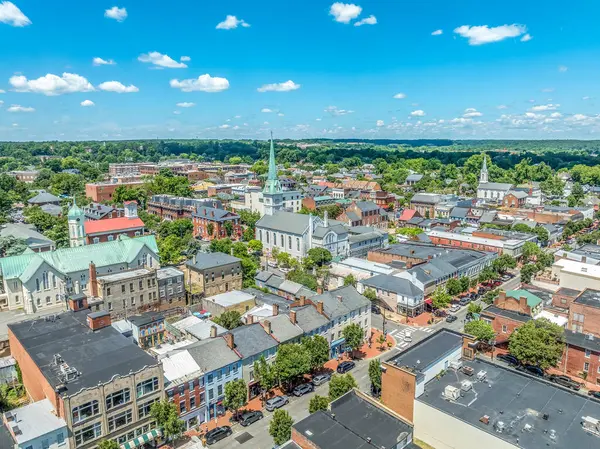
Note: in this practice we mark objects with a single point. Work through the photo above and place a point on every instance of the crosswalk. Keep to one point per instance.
(399, 335)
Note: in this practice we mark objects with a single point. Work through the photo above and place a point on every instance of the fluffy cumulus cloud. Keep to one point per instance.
(116, 13)
(185, 59)
(267, 110)
(545, 107)
(231, 22)
(380, 123)
(502, 106)
(471, 112)
(225, 126)
(204, 83)
(186, 105)
(11, 15)
(418, 113)
(479, 35)
(100, 61)
(399, 96)
(279, 87)
(562, 68)
(160, 60)
(526, 37)
(19, 108)
(52, 84)
(117, 87)
(344, 12)
(371, 20)
(335, 111)
(437, 33)
(87, 103)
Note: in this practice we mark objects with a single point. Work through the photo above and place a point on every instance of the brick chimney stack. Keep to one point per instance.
(93, 280)
(229, 339)
(302, 301)
(275, 309)
(293, 316)
(213, 331)
(267, 325)
(249, 319)
(320, 307)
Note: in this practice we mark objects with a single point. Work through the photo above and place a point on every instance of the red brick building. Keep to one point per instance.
(215, 190)
(364, 213)
(514, 199)
(511, 310)
(581, 357)
(584, 313)
(563, 297)
(103, 191)
(208, 217)
(99, 231)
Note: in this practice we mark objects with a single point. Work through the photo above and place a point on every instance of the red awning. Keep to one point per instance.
(428, 301)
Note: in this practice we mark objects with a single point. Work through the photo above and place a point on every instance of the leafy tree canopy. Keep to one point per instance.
(538, 342)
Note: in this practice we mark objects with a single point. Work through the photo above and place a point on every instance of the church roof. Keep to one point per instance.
(495, 186)
(112, 224)
(287, 222)
(272, 184)
(75, 212)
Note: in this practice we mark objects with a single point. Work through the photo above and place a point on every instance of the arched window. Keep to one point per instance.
(289, 242)
(260, 235)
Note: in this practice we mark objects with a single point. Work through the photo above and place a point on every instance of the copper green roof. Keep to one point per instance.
(75, 211)
(272, 185)
(70, 260)
(532, 300)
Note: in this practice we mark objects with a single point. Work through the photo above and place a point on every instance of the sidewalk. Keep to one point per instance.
(366, 352)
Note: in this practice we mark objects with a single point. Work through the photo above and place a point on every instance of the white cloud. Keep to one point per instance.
(335, 111)
(318, 119)
(526, 37)
(224, 126)
(280, 114)
(380, 123)
(556, 115)
(418, 113)
(52, 84)
(231, 22)
(100, 61)
(19, 108)
(116, 86)
(437, 33)
(502, 106)
(345, 12)
(238, 116)
(265, 123)
(87, 103)
(583, 98)
(287, 86)
(545, 107)
(119, 14)
(185, 59)
(371, 20)
(479, 35)
(562, 68)
(548, 89)
(186, 105)
(399, 96)
(472, 112)
(2, 91)
(204, 83)
(161, 60)
(11, 15)
(176, 112)
(1, 102)
(267, 110)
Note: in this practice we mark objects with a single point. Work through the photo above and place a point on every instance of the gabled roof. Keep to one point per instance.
(32, 238)
(287, 222)
(532, 300)
(495, 186)
(341, 301)
(309, 319)
(44, 197)
(366, 205)
(112, 225)
(212, 354)
(459, 212)
(252, 340)
(394, 284)
(407, 214)
(213, 214)
(282, 329)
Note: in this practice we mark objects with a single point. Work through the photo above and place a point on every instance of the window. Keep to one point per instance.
(211, 394)
(297, 244)
(182, 407)
(147, 387)
(588, 353)
(141, 284)
(192, 402)
(110, 307)
(586, 367)
(60, 438)
(131, 286)
(87, 434)
(48, 300)
(117, 398)
(110, 238)
(17, 300)
(107, 291)
(144, 409)
(97, 239)
(119, 420)
(219, 390)
(289, 242)
(37, 284)
(45, 281)
(123, 288)
(281, 240)
(201, 398)
(504, 329)
(235, 368)
(162, 293)
(132, 301)
(85, 411)
(210, 378)
(45, 444)
(267, 233)
(219, 374)
(39, 302)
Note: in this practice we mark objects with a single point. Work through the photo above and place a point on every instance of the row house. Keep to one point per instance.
(170, 207)
(364, 213)
(209, 274)
(210, 223)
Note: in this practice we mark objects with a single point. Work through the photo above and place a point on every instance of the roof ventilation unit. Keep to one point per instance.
(500, 426)
(451, 393)
(482, 375)
(456, 365)
(466, 385)
(591, 425)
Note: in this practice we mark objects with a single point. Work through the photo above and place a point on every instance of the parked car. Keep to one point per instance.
(320, 379)
(272, 264)
(454, 308)
(375, 310)
(250, 417)
(451, 318)
(594, 393)
(464, 301)
(344, 367)
(276, 402)
(565, 381)
(407, 337)
(440, 312)
(533, 370)
(510, 359)
(301, 390)
(285, 269)
(217, 434)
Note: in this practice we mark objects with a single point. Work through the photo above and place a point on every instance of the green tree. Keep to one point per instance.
(527, 272)
(108, 444)
(228, 228)
(264, 375)
(280, 427)
(409, 232)
(12, 246)
(375, 374)
(292, 361)
(465, 283)
(255, 245)
(318, 403)
(166, 416)
(503, 263)
(210, 229)
(319, 256)
(440, 298)
(354, 336)
(304, 278)
(229, 319)
(236, 395)
(481, 330)
(340, 384)
(453, 286)
(370, 294)
(318, 349)
(350, 280)
(170, 250)
(538, 342)
(474, 308)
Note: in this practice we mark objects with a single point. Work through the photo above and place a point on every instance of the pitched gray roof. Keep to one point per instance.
(214, 214)
(44, 197)
(495, 186)
(282, 329)
(52, 209)
(211, 260)
(366, 205)
(309, 319)
(426, 198)
(252, 340)
(287, 222)
(212, 354)
(322, 231)
(341, 301)
(353, 216)
(459, 212)
(32, 238)
(394, 284)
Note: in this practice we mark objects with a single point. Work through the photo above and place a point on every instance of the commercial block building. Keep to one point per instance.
(103, 191)
(209, 274)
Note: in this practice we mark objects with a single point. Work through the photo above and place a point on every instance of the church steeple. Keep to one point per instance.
(483, 176)
(76, 218)
(272, 185)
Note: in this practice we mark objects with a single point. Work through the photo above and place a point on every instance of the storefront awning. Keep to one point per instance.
(428, 301)
(337, 342)
(142, 439)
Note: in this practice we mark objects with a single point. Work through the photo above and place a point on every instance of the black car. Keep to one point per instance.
(218, 434)
(464, 301)
(250, 417)
(594, 394)
(344, 367)
(451, 318)
(565, 381)
(533, 370)
(301, 390)
(510, 359)
(375, 310)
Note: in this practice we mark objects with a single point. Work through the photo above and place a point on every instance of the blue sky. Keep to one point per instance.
(510, 69)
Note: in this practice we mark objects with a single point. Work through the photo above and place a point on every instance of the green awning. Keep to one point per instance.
(142, 439)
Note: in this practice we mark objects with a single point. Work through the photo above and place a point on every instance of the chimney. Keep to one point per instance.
(302, 301)
(212, 213)
(320, 307)
(249, 319)
(229, 339)
(293, 316)
(340, 298)
(408, 265)
(267, 325)
(194, 258)
(501, 296)
(319, 290)
(213, 331)
(326, 219)
(93, 280)
(275, 309)
(98, 320)
(522, 303)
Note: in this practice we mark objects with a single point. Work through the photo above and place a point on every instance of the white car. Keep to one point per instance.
(272, 264)
(454, 308)
(407, 338)
(284, 269)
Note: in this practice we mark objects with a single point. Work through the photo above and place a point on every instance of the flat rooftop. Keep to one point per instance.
(34, 421)
(124, 275)
(231, 298)
(589, 297)
(97, 356)
(518, 404)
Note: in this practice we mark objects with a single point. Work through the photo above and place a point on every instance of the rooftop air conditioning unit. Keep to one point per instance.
(466, 385)
(481, 375)
(591, 425)
(527, 428)
(500, 426)
(456, 365)
(451, 393)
